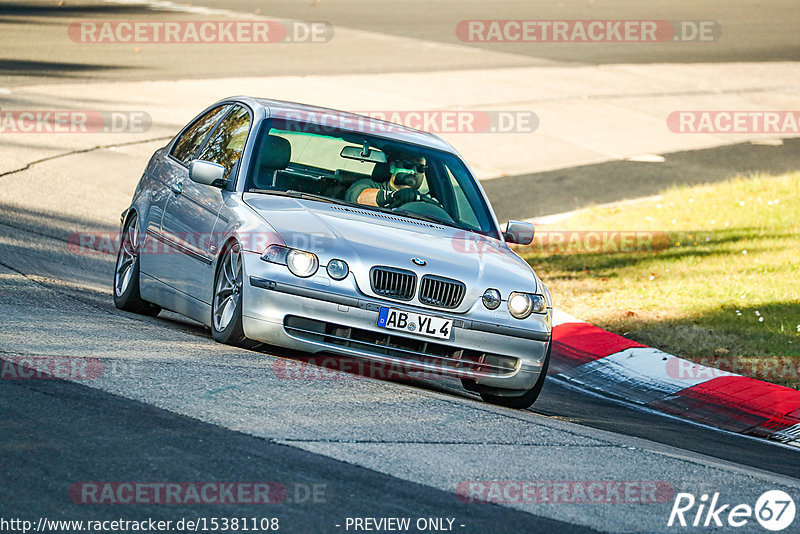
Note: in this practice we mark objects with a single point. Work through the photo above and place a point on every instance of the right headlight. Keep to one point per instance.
(521, 305)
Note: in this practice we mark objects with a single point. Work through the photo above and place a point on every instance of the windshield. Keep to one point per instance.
(323, 163)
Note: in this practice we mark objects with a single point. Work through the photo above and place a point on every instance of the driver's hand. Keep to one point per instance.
(397, 198)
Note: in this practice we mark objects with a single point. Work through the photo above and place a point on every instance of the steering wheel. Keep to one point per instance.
(430, 200)
(428, 207)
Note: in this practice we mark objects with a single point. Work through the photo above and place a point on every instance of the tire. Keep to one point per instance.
(226, 302)
(126, 273)
(527, 399)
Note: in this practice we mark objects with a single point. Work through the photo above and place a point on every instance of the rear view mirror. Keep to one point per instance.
(207, 173)
(363, 154)
(519, 233)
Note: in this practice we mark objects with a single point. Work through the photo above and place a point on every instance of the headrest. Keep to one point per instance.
(274, 153)
(381, 172)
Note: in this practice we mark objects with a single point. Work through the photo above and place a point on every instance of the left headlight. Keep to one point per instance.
(521, 305)
(299, 262)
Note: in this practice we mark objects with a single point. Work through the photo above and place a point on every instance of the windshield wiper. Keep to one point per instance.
(298, 194)
(312, 196)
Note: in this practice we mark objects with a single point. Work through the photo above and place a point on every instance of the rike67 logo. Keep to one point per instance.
(774, 510)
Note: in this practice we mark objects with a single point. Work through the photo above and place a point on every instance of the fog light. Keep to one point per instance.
(491, 299)
(337, 269)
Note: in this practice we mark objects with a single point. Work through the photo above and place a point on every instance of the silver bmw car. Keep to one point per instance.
(330, 232)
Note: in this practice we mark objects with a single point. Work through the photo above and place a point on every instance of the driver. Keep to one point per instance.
(407, 174)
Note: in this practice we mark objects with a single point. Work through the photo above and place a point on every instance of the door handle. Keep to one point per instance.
(176, 188)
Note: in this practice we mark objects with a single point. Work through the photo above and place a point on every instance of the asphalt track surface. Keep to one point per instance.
(100, 435)
(195, 411)
(765, 35)
(33, 47)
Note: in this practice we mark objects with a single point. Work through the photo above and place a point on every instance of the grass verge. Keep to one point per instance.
(711, 274)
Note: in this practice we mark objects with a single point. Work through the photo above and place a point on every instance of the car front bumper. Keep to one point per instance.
(274, 305)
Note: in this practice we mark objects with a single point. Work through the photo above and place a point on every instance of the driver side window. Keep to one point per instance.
(227, 142)
(191, 139)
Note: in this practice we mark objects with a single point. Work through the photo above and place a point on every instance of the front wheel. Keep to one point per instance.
(530, 396)
(126, 273)
(226, 311)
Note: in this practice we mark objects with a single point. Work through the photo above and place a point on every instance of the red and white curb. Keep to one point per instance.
(598, 360)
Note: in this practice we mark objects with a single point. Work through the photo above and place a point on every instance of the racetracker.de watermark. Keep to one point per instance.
(50, 368)
(177, 493)
(734, 122)
(65, 368)
(565, 491)
(428, 120)
(767, 369)
(584, 242)
(588, 31)
(91, 243)
(462, 242)
(344, 368)
(73, 122)
(198, 32)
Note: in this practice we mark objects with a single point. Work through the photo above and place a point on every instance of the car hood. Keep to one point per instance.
(365, 238)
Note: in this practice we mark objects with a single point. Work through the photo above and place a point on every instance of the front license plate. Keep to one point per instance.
(416, 323)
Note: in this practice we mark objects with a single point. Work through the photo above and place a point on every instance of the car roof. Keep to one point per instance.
(348, 121)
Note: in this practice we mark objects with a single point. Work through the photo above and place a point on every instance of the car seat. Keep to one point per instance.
(274, 154)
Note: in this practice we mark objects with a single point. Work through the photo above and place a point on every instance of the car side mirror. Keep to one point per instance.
(519, 233)
(207, 173)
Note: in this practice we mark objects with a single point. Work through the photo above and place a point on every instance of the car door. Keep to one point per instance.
(169, 169)
(191, 211)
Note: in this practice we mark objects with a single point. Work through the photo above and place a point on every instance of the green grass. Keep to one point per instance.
(721, 284)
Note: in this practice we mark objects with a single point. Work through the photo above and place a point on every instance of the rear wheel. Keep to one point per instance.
(126, 273)
(226, 310)
(529, 397)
